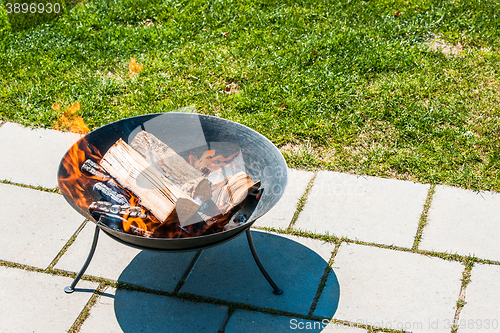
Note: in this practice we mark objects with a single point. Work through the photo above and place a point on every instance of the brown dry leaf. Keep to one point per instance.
(232, 88)
(134, 67)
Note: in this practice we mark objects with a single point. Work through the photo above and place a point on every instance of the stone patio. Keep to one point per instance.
(371, 281)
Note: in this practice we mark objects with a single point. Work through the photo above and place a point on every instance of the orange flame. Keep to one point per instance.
(69, 120)
(78, 186)
(72, 181)
(209, 161)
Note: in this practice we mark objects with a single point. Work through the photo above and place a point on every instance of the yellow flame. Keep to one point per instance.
(56, 107)
(78, 126)
(72, 110)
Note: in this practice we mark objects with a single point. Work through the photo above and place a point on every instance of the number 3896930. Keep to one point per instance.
(32, 8)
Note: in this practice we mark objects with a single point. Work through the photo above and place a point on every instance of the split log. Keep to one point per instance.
(233, 190)
(227, 196)
(156, 192)
(189, 179)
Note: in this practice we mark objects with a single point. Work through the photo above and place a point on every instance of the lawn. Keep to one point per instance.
(399, 89)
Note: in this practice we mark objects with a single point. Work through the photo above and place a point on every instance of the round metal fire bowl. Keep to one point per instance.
(187, 133)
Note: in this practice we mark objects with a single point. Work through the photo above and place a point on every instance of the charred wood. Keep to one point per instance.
(117, 211)
(92, 169)
(109, 194)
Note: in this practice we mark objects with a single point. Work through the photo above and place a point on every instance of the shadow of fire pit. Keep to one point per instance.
(228, 272)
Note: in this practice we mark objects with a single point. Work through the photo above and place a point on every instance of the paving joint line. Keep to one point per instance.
(229, 313)
(33, 187)
(188, 296)
(207, 300)
(466, 274)
(323, 280)
(334, 239)
(105, 283)
(67, 245)
(302, 201)
(84, 314)
(423, 218)
(301, 233)
(187, 271)
(24, 267)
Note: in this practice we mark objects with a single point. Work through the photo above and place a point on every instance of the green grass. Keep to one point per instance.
(338, 85)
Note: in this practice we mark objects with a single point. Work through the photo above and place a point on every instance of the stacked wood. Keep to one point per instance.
(226, 196)
(156, 192)
(189, 179)
(150, 176)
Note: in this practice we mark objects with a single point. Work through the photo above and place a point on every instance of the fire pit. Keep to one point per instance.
(173, 182)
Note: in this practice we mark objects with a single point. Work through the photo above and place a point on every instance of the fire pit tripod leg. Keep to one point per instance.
(277, 290)
(70, 289)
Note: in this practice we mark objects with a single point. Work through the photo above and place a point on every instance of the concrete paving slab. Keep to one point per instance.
(118, 262)
(281, 215)
(36, 302)
(464, 222)
(384, 211)
(249, 322)
(33, 155)
(35, 225)
(229, 272)
(131, 311)
(480, 314)
(394, 289)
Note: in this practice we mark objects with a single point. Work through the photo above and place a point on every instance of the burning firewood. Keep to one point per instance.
(91, 168)
(156, 192)
(189, 179)
(110, 195)
(99, 208)
(226, 198)
(233, 190)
